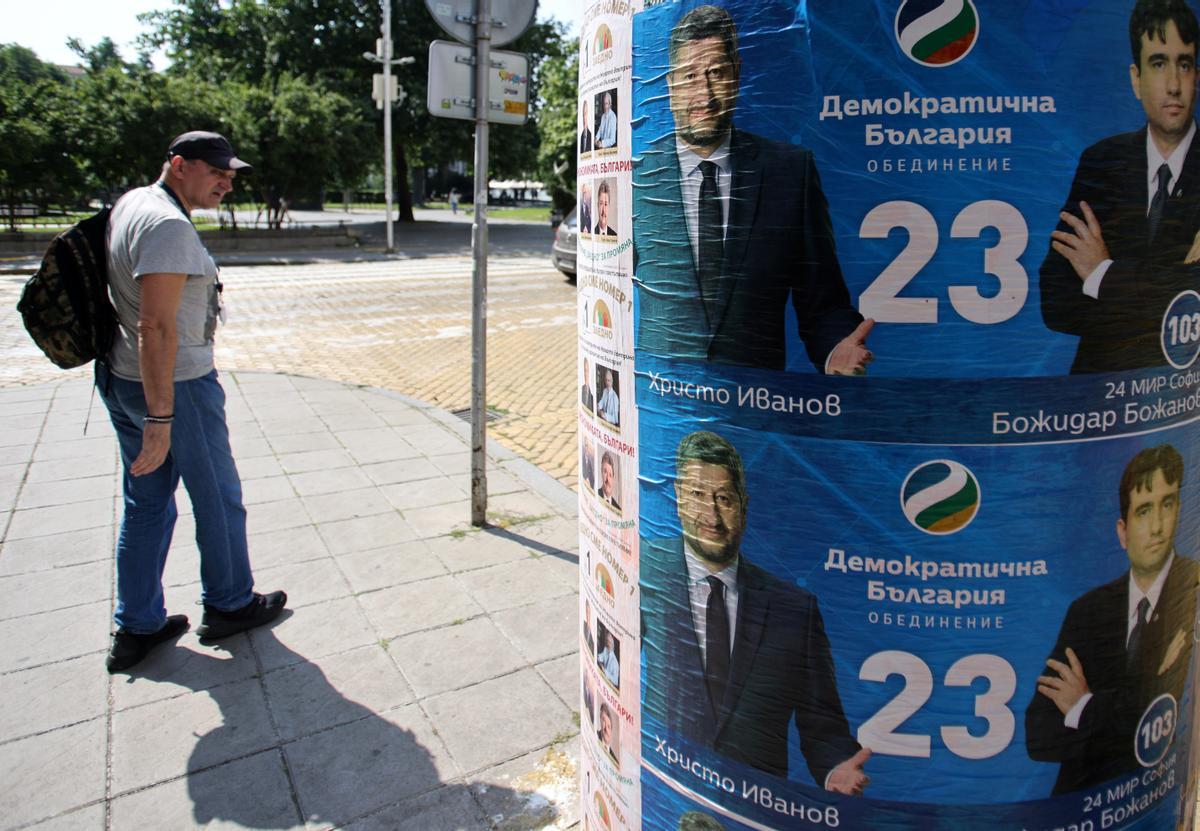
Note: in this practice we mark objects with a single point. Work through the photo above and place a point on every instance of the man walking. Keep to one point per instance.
(168, 408)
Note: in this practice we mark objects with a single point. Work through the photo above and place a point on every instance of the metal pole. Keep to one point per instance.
(479, 241)
(387, 119)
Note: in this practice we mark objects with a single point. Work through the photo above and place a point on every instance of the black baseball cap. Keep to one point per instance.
(213, 148)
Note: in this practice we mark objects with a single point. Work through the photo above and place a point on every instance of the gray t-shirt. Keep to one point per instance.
(149, 234)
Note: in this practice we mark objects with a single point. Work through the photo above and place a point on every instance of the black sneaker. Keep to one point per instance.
(129, 648)
(263, 608)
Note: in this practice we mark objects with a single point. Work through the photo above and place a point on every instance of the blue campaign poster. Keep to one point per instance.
(959, 586)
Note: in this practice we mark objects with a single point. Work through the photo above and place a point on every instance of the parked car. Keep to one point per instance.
(562, 253)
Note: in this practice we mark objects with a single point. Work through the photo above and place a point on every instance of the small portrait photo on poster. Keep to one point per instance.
(589, 697)
(608, 659)
(585, 210)
(588, 638)
(609, 489)
(585, 134)
(608, 390)
(606, 120)
(587, 464)
(606, 731)
(587, 393)
(605, 227)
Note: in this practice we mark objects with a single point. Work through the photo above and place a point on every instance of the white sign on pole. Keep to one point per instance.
(452, 84)
(510, 18)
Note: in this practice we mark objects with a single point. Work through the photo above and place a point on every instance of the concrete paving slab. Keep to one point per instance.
(432, 492)
(97, 447)
(349, 420)
(246, 793)
(498, 720)
(454, 464)
(315, 695)
(39, 765)
(58, 469)
(267, 489)
(314, 581)
(183, 667)
(478, 549)
(364, 533)
(276, 516)
(40, 522)
(56, 550)
(166, 739)
(306, 461)
(439, 520)
(455, 656)
(90, 818)
(320, 482)
(353, 770)
(562, 674)
(290, 545)
(288, 426)
(377, 444)
(11, 475)
(537, 790)
(20, 439)
(449, 808)
(511, 584)
(258, 467)
(299, 442)
(405, 470)
(426, 604)
(60, 588)
(312, 632)
(67, 492)
(44, 638)
(249, 447)
(391, 565)
(345, 504)
(51, 696)
(542, 631)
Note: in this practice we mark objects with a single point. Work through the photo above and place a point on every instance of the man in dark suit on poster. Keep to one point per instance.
(732, 654)
(730, 224)
(1121, 250)
(1122, 645)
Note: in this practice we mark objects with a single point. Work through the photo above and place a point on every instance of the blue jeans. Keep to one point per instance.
(200, 455)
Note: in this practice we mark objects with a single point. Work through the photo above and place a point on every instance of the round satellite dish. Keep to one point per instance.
(454, 17)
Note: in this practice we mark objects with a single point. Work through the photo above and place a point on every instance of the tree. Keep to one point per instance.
(557, 128)
(260, 41)
(36, 125)
(297, 134)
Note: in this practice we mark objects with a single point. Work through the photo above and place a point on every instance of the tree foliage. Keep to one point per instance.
(285, 80)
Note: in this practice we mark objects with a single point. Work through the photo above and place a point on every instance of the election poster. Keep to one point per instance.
(915, 316)
(607, 424)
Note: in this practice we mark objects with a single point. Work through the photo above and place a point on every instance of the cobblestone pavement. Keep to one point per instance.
(403, 325)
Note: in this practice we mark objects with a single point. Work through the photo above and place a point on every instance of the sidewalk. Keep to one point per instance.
(425, 676)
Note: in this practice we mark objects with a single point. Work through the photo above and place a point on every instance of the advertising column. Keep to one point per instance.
(608, 463)
(915, 318)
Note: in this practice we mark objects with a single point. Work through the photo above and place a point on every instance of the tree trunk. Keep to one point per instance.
(404, 211)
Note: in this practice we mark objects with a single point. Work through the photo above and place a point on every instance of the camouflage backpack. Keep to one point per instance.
(65, 305)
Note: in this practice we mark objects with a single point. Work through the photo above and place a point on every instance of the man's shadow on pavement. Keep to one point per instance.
(349, 763)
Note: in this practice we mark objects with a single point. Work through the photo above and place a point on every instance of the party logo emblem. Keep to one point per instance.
(937, 32)
(940, 497)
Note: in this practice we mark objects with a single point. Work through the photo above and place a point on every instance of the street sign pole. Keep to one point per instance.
(387, 119)
(479, 241)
